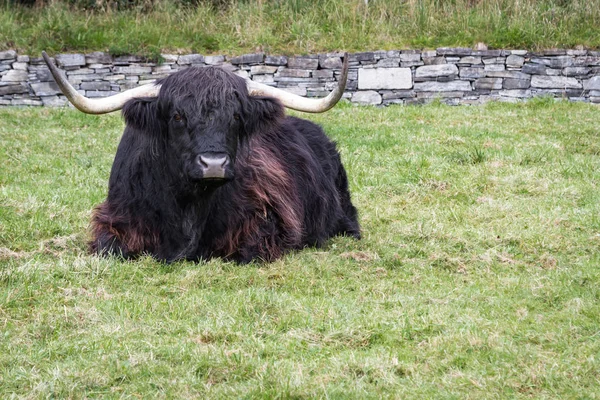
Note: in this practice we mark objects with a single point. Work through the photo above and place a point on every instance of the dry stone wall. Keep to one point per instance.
(454, 75)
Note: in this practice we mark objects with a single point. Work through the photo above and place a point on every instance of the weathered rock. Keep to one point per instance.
(262, 69)
(98, 85)
(133, 70)
(15, 76)
(470, 60)
(385, 78)
(452, 86)
(293, 73)
(471, 72)
(276, 60)
(255, 58)
(214, 60)
(170, 58)
(434, 60)
(8, 89)
(98, 57)
(454, 51)
(362, 57)
(488, 83)
(70, 60)
(511, 83)
(323, 74)
(191, 59)
(434, 71)
(367, 97)
(54, 101)
(127, 59)
(576, 71)
(398, 94)
(8, 55)
(331, 62)
(388, 63)
(303, 63)
(26, 102)
(45, 88)
(558, 82)
(534, 69)
(515, 61)
(592, 84)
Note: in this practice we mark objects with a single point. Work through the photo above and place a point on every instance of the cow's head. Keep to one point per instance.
(201, 114)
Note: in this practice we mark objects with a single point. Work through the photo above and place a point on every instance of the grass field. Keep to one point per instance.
(148, 27)
(478, 275)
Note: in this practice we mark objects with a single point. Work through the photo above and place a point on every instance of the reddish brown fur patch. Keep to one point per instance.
(134, 237)
(270, 189)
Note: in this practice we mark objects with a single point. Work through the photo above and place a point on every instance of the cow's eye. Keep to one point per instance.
(236, 117)
(177, 117)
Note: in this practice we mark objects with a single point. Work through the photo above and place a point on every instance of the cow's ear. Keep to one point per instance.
(142, 114)
(260, 112)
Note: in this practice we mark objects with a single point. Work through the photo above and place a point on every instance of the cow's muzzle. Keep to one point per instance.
(215, 166)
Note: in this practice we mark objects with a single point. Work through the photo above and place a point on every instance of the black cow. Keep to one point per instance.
(207, 170)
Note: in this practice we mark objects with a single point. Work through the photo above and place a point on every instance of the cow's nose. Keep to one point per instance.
(213, 165)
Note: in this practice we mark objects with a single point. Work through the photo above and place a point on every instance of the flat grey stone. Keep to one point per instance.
(470, 60)
(15, 76)
(388, 63)
(293, 73)
(266, 79)
(367, 97)
(576, 71)
(452, 86)
(515, 61)
(262, 69)
(517, 93)
(191, 59)
(454, 51)
(303, 63)
(80, 71)
(471, 72)
(45, 88)
(13, 89)
(507, 74)
(54, 101)
(170, 58)
(98, 57)
(511, 83)
(214, 60)
(323, 74)
(519, 52)
(434, 71)
(434, 60)
(488, 83)
(133, 70)
(592, 84)
(331, 62)
(98, 85)
(21, 66)
(398, 94)
(276, 60)
(8, 55)
(254, 58)
(557, 82)
(70, 60)
(534, 69)
(99, 93)
(410, 57)
(385, 78)
(361, 57)
(494, 67)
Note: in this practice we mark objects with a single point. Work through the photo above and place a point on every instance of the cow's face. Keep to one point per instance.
(204, 138)
(203, 115)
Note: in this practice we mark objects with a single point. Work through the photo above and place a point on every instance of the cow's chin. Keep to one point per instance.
(212, 182)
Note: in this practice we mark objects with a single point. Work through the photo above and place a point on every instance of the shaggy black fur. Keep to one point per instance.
(284, 186)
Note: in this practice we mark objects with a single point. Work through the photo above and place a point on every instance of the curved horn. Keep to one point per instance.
(102, 105)
(300, 103)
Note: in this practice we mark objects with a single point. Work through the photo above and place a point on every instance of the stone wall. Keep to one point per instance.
(454, 75)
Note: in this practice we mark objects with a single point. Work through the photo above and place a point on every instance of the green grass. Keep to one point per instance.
(477, 276)
(300, 26)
